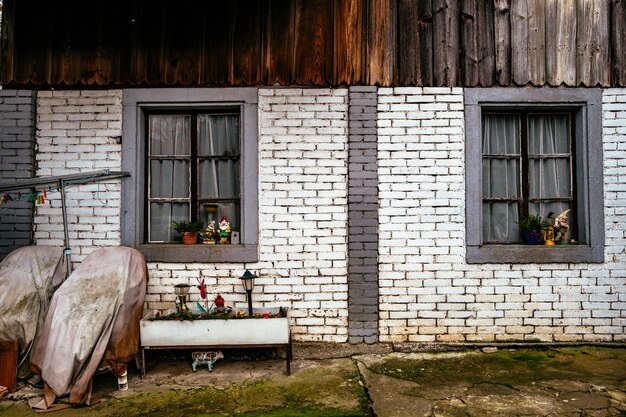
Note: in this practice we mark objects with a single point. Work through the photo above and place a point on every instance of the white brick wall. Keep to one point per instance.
(76, 132)
(428, 293)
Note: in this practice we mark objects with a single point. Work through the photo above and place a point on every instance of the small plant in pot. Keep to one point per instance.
(531, 227)
(188, 231)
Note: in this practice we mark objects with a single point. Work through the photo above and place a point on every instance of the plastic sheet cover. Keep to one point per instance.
(92, 324)
(28, 278)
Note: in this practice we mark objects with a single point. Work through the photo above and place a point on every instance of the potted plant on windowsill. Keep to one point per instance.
(531, 227)
(188, 231)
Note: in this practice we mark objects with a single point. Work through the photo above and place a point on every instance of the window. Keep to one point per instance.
(194, 170)
(527, 166)
(192, 155)
(533, 151)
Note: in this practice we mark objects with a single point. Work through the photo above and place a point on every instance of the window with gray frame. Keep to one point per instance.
(537, 152)
(192, 155)
(194, 170)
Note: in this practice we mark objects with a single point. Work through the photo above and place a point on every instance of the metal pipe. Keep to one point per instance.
(66, 240)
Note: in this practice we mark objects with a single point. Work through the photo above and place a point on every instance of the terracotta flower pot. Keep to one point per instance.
(189, 238)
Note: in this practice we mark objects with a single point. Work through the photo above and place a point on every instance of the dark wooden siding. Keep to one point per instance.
(313, 42)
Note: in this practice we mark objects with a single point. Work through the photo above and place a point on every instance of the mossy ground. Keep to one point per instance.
(509, 366)
(318, 390)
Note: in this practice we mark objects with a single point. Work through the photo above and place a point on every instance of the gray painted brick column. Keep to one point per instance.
(362, 216)
(17, 161)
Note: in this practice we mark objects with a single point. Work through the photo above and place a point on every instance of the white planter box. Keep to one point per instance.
(189, 334)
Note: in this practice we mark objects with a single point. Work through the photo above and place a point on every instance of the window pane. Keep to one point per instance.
(218, 179)
(501, 178)
(500, 222)
(548, 134)
(549, 178)
(161, 217)
(501, 134)
(544, 208)
(169, 135)
(169, 179)
(218, 134)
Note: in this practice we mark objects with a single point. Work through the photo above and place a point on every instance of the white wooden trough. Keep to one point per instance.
(216, 333)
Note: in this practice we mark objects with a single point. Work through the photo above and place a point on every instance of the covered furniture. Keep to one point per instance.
(92, 324)
(28, 278)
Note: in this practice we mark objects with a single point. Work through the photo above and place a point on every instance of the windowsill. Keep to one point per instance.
(178, 253)
(540, 254)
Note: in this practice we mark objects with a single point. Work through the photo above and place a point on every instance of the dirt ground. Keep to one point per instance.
(563, 381)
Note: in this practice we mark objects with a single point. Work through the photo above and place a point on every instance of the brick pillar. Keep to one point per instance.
(362, 217)
(17, 161)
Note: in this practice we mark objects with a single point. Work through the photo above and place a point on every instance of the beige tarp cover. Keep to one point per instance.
(92, 324)
(28, 278)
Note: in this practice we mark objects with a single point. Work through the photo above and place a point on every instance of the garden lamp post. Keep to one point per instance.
(247, 280)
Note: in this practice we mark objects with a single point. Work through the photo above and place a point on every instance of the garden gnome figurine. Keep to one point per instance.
(561, 227)
(208, 234)
(224, 230)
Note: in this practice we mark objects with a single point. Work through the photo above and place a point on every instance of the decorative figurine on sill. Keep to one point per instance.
(209, 234)
(561, 228)
(224, 230)
(548, 236)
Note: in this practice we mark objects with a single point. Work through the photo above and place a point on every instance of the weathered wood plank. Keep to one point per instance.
(66, 65)
(408, 71)
(7, 39)
(32, 37)
(446, 42)
(519, 42)
(470, 39)
(381, 42)
(618, 43)
(217, 51)
(181, 43)
(278, 43)
(246, 43)
(551, 44)
(349, 56)
(313, 42)
(502, 24)
(566, 42)
(477, 43)
(147, 43)
(592, 51)
(536, 42)
(426, 55)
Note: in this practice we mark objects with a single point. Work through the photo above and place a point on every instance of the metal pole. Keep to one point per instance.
(66, 240)
(249, 302)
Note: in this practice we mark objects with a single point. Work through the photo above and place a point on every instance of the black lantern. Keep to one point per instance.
(247, 280)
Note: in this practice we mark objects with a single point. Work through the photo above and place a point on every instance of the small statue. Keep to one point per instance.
(224, 230)
(209, 232)
(561, 227)
(205, 358)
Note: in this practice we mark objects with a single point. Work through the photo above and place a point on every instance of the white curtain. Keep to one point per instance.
(501, 177)
(549, 174)
(169, 178)
(218, 136)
